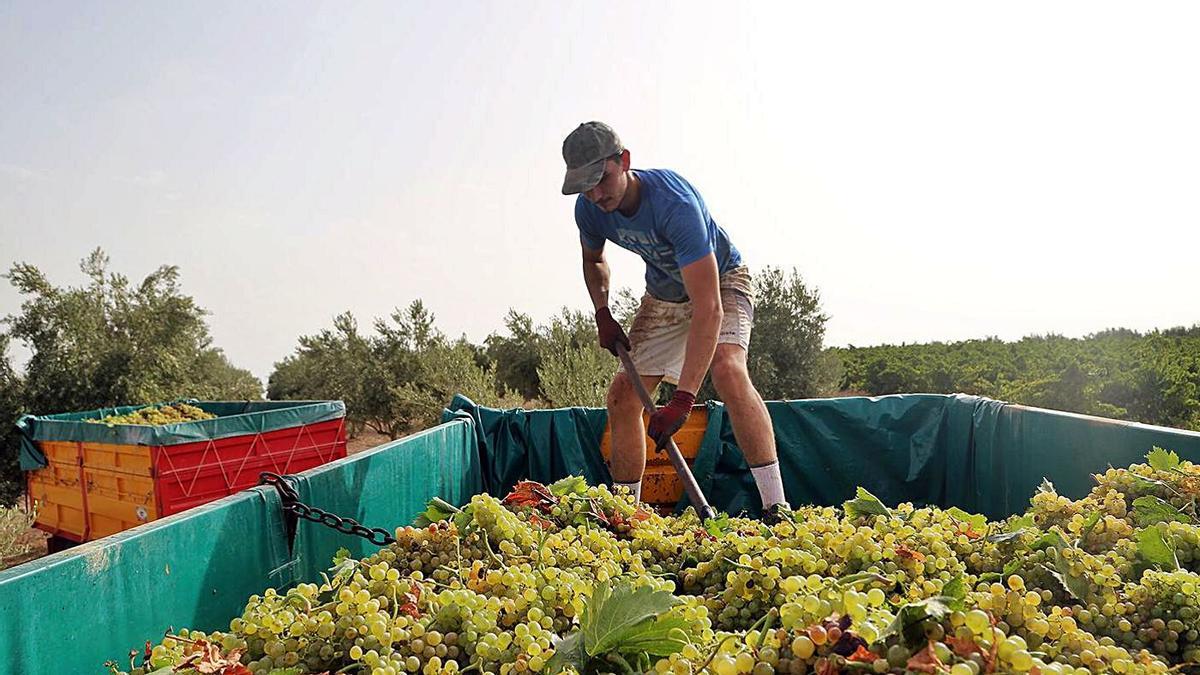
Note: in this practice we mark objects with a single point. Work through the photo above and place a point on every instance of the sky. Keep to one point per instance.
(939, 171)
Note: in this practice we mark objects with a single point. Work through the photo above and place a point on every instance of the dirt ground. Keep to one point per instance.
(365, 441)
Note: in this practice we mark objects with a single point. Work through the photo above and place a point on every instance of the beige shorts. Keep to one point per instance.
(660, 330)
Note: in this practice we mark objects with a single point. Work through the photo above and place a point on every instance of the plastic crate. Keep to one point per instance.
(661, 486)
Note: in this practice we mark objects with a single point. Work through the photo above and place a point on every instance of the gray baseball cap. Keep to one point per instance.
(585, 150)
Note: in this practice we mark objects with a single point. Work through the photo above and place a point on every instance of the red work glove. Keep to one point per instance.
(610, 332)
(668, 419)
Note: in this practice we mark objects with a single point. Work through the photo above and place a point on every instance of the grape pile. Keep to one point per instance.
(573, 579)
(154, 416)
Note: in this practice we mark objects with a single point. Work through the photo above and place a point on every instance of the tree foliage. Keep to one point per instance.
(573, 369)
(11, 407)
(111, 342)
(787, 358)
(394, 381)
(1149, 377)
(106, 343)
(560, 363)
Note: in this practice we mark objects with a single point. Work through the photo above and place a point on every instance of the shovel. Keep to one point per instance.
(681, 467)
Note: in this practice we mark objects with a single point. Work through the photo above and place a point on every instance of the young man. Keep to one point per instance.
(696, 313)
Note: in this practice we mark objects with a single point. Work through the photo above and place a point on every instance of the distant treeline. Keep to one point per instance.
(1149, 377)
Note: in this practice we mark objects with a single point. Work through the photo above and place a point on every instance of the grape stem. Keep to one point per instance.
(487, 544)
(716, 650)
(541, 548)
(769, 620)
(862, 577)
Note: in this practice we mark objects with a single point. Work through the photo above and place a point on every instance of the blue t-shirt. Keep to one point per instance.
(671, 229)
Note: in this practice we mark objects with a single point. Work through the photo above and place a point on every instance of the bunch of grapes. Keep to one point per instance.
(1071, 586)
(1178, 485)
(154, 416)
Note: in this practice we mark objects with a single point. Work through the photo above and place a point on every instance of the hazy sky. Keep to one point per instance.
(937, 170)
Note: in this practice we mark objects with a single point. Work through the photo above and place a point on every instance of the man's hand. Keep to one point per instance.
(670, 418)
(610, 332)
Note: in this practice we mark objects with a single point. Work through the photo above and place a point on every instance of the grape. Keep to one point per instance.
(157, 415)
(498, 595)
(978, 621)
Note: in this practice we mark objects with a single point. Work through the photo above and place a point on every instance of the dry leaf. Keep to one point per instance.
(532, 494)
(926, 661)
(863, 655)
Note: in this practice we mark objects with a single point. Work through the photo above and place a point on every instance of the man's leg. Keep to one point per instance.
(750, 420)
(628, 437)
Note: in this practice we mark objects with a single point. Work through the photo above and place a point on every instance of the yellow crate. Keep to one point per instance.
(92, 490)
(56, 491)
(61, 452)
(661, 486)
(134, 459)
(117, 501)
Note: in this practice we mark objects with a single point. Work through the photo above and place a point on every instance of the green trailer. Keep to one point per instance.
(71, 612)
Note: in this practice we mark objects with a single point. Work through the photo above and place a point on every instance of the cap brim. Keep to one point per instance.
(583, 178)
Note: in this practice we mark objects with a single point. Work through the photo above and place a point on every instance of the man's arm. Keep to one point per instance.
(595, 275)
(702, 283)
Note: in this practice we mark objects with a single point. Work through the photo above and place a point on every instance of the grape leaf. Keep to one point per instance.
(1053, 538)
(1149, 510)
(1021, 523)
(1161, 459)
(343, 567)
(436, 510)
(955, 593)
(718, 526)
(463, 518)
(907, 623)
(571, 485)
(865, 504)
(1013, 566)
(1089, 524)
(1155, 550)
(664, 636)
(1075, 585)
(341, 555)
(976, 521)
(614, 612)
(568, 652)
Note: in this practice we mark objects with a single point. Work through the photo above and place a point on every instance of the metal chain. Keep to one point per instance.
(293, 506)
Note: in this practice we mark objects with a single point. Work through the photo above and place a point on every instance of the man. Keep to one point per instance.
(696, 313)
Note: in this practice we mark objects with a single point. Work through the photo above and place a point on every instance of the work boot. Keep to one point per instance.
(777, 513)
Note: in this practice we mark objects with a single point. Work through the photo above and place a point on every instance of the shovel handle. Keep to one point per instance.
(676, 457)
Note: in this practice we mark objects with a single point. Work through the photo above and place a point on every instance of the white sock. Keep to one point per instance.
(635, 488)
(770, 484)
